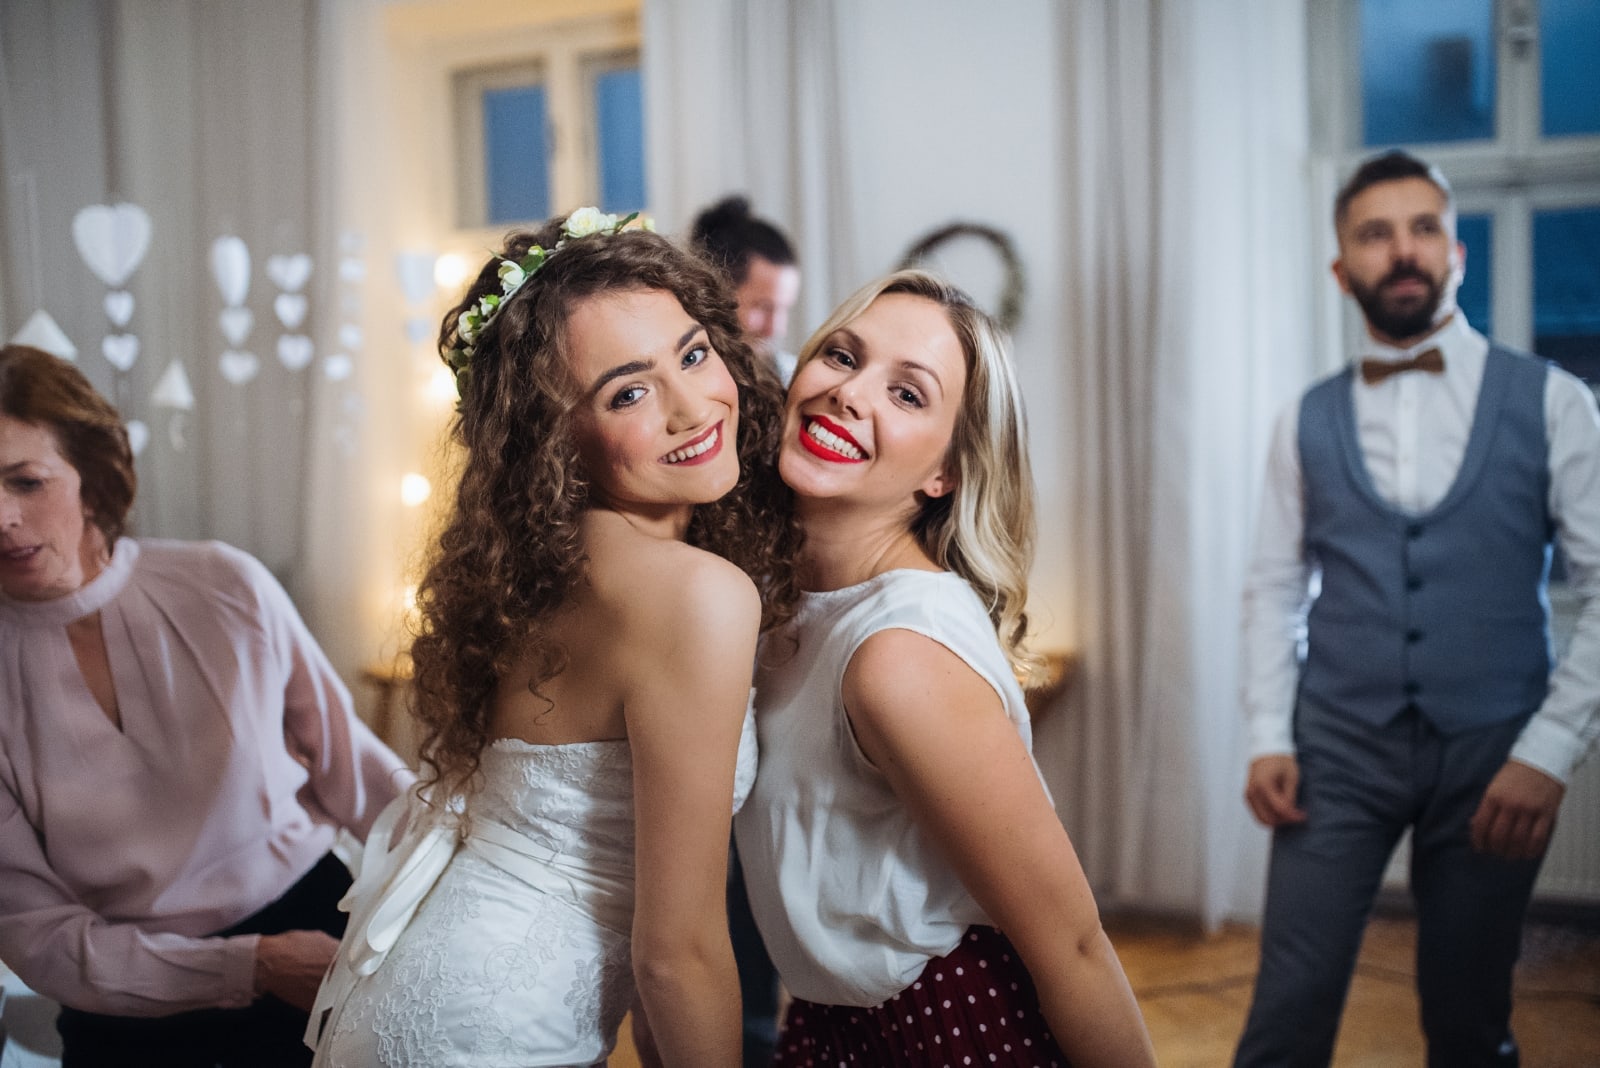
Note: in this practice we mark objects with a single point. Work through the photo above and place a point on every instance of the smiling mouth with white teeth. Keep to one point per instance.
(831, 441)
(711, 440)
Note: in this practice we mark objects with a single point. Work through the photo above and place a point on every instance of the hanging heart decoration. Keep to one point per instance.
(291, 309)
(350, 336)
(415, 270)
(120, 350)
(294, 351)
(289, 272)
(112, 239)
(138, 436)
(230, 266)
(119, 307)
(352, 269)
(418, 329)
(238, 367)
(236, 324)
(337, 367)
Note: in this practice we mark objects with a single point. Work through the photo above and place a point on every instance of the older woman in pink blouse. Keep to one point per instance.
(176, 757)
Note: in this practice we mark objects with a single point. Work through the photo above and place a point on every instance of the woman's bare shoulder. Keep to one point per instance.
(651, 582)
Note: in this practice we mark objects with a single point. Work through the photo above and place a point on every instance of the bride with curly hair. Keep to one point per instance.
(582, 674)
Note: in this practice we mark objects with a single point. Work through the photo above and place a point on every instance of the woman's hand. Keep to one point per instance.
(290, 966)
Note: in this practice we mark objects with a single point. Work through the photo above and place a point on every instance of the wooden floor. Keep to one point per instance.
(1194, 991)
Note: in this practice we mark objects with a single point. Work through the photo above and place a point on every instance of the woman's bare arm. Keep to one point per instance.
(691, 650)
(938, 732)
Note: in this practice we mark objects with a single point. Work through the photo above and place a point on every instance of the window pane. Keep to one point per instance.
(1566, 289)
(516, 160)
(619, 114)
(1427, 70)
(1569, 40)
(1475, 231)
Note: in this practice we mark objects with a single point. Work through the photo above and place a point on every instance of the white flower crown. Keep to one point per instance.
(514, 274)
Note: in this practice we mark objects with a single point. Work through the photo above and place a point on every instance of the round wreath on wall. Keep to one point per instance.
(1015, 286)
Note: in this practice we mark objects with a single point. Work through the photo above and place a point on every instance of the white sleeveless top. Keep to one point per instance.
(852, 898)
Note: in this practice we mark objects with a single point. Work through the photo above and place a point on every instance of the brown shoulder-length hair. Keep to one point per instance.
(511, 553)
(48, 391)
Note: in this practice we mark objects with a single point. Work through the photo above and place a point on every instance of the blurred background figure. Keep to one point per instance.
(760, 262)
(179, 757)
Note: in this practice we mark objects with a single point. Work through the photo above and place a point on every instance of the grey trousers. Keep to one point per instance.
(1361, 787)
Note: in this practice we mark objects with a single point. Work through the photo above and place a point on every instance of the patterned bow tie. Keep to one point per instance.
(1375, 371)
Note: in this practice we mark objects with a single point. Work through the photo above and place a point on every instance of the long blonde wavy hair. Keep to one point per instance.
(984, 531)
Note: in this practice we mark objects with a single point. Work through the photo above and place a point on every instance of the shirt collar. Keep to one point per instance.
(85, 600)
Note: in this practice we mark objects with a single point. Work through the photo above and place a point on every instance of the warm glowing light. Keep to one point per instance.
(442, 386)
(450, 270)
(414, 489)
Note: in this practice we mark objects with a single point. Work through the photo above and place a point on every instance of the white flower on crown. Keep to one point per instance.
(511, 276)
(586, 221)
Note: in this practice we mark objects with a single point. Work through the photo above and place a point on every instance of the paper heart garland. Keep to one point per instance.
(230, 266)
(337, 367)
(112, 239)
(236, 324)
(350, 336)
(294, 351)
(119, 306)
(418, 330)
(238, 367)
(289, 272)
(352, 269)
(291, 309)
(120, 350)
(138, 436)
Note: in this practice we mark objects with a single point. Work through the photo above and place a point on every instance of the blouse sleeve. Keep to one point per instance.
(353, 775)
(68, 953)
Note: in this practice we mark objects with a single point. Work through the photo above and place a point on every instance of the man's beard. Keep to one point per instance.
(1400, 319)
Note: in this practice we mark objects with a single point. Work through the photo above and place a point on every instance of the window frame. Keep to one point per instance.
(562, 54)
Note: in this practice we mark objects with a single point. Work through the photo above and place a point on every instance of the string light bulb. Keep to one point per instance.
(414, 489)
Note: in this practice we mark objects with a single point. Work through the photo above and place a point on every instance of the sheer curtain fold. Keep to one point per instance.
(1197, 232)
(739, 99)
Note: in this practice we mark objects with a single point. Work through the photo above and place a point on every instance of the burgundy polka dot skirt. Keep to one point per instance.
(977, 1006)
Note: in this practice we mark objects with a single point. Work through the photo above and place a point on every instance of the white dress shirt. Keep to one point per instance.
(1413, 428)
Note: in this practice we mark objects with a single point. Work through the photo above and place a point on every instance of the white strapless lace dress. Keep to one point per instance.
(508, 948)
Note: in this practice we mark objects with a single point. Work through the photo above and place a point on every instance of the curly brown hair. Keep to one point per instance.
(39, 388)
(511, 552)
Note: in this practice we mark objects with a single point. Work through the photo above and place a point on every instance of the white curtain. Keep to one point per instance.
(745, 114)
(1149, 160)
(1190, 284)
(216, 118)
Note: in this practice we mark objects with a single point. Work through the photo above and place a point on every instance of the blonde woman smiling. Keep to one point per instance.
(899, 825)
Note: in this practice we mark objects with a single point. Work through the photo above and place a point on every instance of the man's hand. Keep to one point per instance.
(1270, 791)
(1517, 814)
(290, 966)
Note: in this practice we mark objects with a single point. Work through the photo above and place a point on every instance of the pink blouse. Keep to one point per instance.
(238, 758)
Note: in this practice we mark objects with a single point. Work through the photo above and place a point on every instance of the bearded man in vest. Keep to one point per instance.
(1411, 502)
